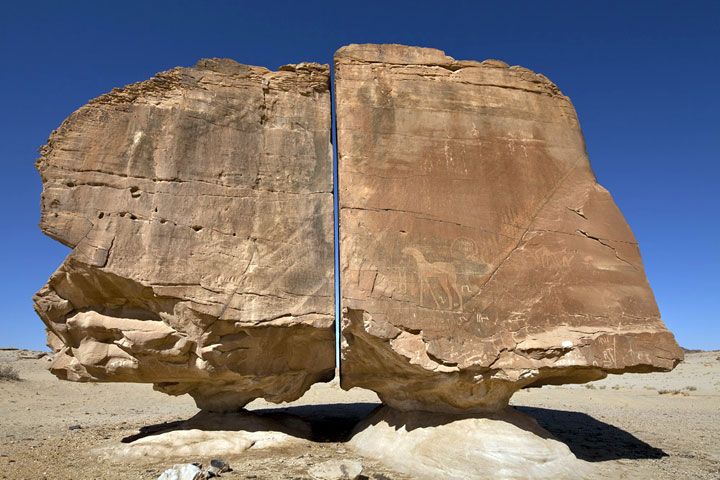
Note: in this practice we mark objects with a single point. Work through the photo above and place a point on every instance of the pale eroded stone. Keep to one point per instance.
(183, 471)
(213, 434)
(429, 446)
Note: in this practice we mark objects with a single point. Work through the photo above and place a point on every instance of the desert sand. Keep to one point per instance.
(651, 426)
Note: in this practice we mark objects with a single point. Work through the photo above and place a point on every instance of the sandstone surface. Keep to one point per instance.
(478, 253)
(198, 205)
(426, 445)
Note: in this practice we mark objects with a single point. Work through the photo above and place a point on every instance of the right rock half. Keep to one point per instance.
(478, 253)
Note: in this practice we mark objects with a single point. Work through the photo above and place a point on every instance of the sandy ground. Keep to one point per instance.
(654, 426)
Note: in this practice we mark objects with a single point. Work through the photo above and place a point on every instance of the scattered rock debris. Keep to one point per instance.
(195, 471)
(336, 470)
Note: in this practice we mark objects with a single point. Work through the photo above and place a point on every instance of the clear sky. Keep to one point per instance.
(644, 78)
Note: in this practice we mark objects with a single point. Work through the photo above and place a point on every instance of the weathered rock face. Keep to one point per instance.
(199, 208)
(478, 253)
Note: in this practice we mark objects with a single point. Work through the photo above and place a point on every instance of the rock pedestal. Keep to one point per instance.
(209, 434)
(198, 205)
(429, 446)
(478, 253)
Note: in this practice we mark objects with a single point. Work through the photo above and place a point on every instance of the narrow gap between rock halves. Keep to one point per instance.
(336, 221)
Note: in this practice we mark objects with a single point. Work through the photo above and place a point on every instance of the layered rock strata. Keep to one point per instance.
(198, 206)
(478, 253)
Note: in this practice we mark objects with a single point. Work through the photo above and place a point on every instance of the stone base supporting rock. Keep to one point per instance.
(506, 445)
(213, 434)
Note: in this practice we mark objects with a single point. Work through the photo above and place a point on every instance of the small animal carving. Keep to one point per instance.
(444, 273)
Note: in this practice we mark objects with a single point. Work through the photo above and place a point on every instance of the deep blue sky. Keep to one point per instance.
(644, 78)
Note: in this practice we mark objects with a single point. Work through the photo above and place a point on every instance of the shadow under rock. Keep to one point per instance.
(412, 420)
(330, 423)
(319, 423)
(590, 439)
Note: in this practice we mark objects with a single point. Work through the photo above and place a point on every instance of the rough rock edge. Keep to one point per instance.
(545, 366)
(408, 56)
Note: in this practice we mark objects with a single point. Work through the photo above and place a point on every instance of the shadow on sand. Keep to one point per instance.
(324, 423)
(588, 438)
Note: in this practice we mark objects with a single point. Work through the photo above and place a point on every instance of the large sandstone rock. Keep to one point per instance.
(198, 205)
(478, 253)
(429, 446)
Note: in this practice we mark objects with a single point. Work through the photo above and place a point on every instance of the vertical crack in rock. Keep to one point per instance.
(198, 205)
(465, 274)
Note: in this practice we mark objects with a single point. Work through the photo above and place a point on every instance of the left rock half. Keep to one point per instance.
(198, 205)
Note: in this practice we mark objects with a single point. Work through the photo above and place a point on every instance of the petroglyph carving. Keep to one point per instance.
(466, 258)
(464, 247)
(442, 272)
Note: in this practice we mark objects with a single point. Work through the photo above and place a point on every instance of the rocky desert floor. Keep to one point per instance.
(653, 426)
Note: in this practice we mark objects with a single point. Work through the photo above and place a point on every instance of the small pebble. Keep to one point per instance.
(221, 465)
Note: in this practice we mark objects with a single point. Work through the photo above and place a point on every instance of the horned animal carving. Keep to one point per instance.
(443, 272)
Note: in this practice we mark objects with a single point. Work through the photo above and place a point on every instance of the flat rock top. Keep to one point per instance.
(402, 59)
(404, 55)
(393, 54)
